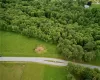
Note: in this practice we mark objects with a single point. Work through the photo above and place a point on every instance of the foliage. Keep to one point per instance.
(74, 29)
(83, 73)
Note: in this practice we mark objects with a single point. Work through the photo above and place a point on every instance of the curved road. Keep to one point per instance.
(43, 60)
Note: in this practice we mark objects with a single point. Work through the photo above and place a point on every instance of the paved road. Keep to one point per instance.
(43, 60)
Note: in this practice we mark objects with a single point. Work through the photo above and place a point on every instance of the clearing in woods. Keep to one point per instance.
(12, 44)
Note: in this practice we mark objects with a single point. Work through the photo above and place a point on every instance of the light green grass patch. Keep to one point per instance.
(31, 71)
(12, 44)
(96, 6)
(10, 72)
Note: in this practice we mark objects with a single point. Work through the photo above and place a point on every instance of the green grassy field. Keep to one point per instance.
(12, 44)
(31, 71)
(95, 6)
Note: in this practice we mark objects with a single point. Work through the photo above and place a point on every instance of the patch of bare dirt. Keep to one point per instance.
(40, 49)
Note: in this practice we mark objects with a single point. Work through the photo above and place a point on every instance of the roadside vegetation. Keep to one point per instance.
(30, 71)
(82, 73)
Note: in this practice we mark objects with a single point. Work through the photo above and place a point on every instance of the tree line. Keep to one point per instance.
(77, 72)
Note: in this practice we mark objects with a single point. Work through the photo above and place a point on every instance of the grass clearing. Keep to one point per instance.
(10, 72)
(96, 6)
(12, 44)
(31, 71)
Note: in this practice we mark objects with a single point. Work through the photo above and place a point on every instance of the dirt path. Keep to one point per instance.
(43, 60)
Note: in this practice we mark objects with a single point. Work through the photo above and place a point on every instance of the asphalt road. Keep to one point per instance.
(43, 60)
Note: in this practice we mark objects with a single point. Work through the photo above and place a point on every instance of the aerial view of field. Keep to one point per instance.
(49, 39)
(30, 71)
(17, 45)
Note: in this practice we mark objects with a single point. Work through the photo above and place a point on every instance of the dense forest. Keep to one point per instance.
(66, 23)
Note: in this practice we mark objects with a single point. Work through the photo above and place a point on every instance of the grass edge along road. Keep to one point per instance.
(30, 71)
(49, 61)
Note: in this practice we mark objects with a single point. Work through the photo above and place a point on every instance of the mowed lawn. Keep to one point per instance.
(96, 6)
(31, 71)
(12, 44)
